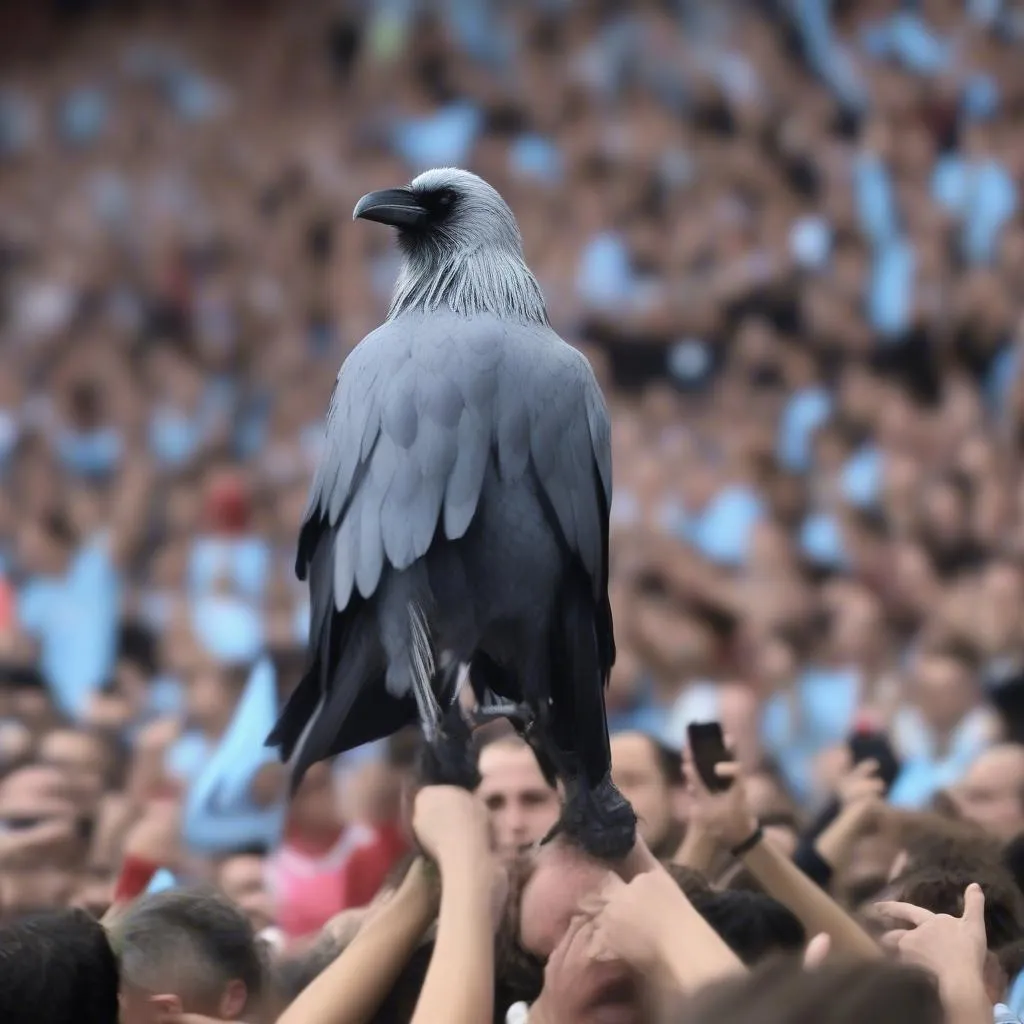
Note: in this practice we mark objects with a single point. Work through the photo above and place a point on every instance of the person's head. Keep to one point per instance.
(841, 993)
(929, 840)
(752, 925)
(314, 808)
(945, 685)
(88, 759)
(991, 793)
(562, 876)
(295, 973)
(650, 777)
(521, 806)
(57, 967)
(1002, 587)
(942, 892)
(242, 878)
(192, 946)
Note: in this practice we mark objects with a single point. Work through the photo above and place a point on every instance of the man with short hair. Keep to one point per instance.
(943, 891)
(522, 807)
(190, 952)
(242, 877)
(57, 967)
(991, 793)
(649, 775)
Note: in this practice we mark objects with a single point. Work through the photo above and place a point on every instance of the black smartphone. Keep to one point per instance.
(870, 744)
(707, 745)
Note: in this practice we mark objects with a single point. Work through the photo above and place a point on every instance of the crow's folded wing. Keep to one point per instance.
(420, 408)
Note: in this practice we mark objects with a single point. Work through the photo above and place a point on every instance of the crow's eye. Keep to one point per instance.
(446, 198)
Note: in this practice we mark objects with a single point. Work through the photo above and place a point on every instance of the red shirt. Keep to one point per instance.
(310, 886)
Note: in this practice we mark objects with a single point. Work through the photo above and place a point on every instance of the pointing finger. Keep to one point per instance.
(974, 904)
(817, 950)
(903, 912)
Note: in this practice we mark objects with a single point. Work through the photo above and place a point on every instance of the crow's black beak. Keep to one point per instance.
(395, 206)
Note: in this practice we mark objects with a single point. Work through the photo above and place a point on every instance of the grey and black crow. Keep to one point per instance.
(459, 514)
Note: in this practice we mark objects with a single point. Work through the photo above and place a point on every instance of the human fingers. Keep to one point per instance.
(903, 912)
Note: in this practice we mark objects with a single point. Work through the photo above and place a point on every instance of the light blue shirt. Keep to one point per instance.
(723, 530)
(803, 414)
(219, 812)
(75, 620)
(244, 561)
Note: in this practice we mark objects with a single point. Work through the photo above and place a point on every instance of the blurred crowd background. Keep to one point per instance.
(788, 236)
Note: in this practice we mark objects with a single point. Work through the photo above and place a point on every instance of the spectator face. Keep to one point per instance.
(1001, 594)
(636, 772)
(209, 700)
(314, 808)
(82, 758)
(944, 691)
(521, 806)
(592, 992)
(991, 794)
(243, 881)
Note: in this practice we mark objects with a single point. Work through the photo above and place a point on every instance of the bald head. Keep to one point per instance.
(991, 793)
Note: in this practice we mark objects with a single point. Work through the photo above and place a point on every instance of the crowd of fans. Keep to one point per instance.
(787, 234)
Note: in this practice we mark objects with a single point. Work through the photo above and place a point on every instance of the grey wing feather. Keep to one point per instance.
(421, 406)
(408, 438)
(551, 412)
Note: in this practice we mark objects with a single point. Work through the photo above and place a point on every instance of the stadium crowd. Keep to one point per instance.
(787, 234)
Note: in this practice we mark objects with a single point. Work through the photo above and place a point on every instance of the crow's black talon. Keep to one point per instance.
(601, 820)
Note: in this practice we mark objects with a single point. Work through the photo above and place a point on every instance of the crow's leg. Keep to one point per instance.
(495, 688)
(599, 818)
(524, 721)
(448, 758)
(596, 815)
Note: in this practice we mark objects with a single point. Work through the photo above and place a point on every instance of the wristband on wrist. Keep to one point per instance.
(136, 874)
(749, 843)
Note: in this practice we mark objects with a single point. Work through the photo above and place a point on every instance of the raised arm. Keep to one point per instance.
(459, 988)
(726, 816)
(352, 988)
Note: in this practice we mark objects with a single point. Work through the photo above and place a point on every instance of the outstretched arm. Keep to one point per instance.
(353, 987)
(459, 987)
(727, 816)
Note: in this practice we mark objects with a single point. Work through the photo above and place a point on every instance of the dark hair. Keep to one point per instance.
(751, 924)
(518, 974)
(941, 890)
(1013, 860)
(841, 993)
(137, 643)
(203, 939)
(935, 842)
(400, 1003)
(253, 849)
(691, 881)
(57, 967)
(669, 761)
(295, 973)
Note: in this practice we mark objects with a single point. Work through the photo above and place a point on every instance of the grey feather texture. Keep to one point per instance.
(461, 504)
(432, 444)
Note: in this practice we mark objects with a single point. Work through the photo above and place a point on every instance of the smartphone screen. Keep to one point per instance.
(868, 745)
(707, 744)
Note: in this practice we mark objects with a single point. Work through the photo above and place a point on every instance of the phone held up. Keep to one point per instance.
(707, 745)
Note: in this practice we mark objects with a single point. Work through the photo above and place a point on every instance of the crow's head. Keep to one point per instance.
(444, 210)
(461, 244)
